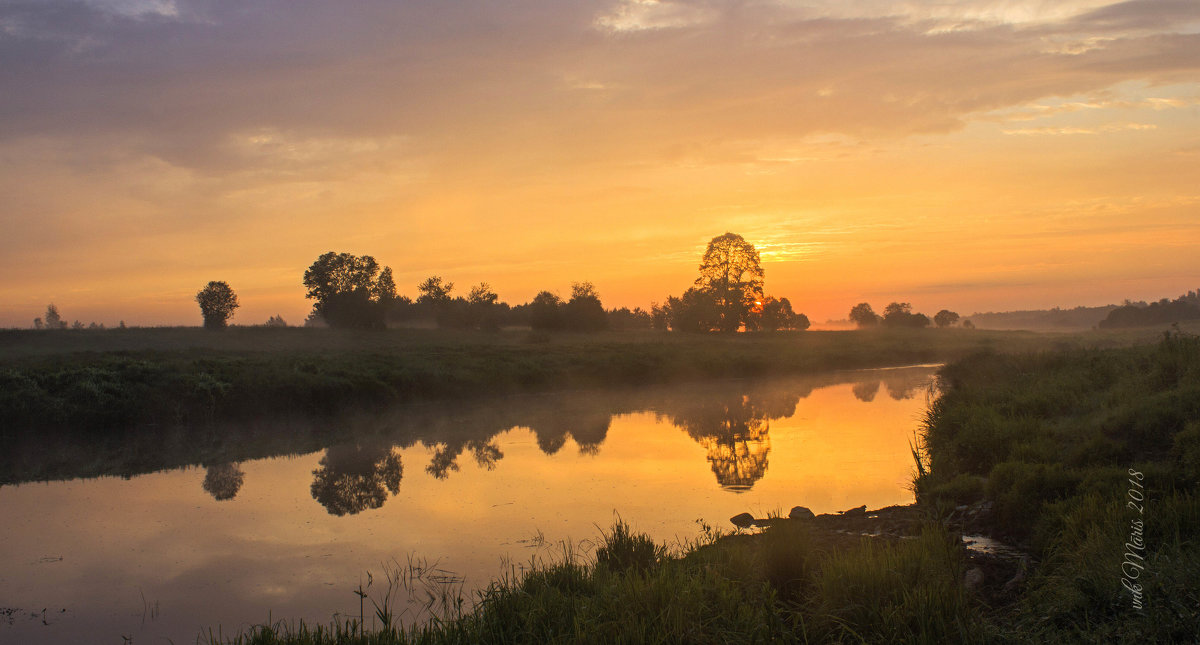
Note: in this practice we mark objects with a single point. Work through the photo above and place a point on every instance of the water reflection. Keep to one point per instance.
(223, 480)
(735, 431)
(445, 456)
(291, 534)
(352, 478)
(866, 391)
(730, 420)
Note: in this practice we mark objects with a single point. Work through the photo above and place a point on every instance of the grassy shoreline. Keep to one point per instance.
(1043, 448)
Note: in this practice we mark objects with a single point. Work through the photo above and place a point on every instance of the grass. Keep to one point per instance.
(117, 379)
(1081, 453)
(789, 585)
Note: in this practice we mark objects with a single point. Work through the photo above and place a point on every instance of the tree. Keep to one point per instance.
(217, 302)
(899, 314)
(863, 316)
(349, 290)
(481, 307)
(730, 273)
(584, 311)
(696, 311)
(776, 314)
(434, 291)
(545, 312)
(53, 319)
(945, 318)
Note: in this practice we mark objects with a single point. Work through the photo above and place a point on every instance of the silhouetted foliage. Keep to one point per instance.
(223, 481)
(899, 314)
(434, 291)
(945, 318)
(967, 324)
(545, 312)
(53, 319)
(660, 316)
(483, 312)
(353, 478)
(584, 312)
(1185, 307)
(730, 273)
(625, 319)
(863, 316)
(695, 311)
(349, 290)
(217, 302)
(276, 321)
(776, 314)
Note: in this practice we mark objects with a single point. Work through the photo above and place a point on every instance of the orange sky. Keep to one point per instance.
(976, 155)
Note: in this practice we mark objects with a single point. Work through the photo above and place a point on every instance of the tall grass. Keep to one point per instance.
(1082, 453)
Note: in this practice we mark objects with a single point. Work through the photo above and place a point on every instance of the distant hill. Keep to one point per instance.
(1043, 319)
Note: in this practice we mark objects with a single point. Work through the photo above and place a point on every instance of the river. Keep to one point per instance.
(468, 491)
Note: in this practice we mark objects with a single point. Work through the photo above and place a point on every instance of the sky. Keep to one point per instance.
(975, 155)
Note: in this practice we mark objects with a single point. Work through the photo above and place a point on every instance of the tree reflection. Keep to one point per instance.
(904, 385)
(735, 431)
(223, 480)
(866, 390)
(352, 478)
(487, 454)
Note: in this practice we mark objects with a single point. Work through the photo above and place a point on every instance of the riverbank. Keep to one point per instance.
(1084, 459)
(117, 379)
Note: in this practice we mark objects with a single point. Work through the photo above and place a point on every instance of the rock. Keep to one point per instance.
(801, 513)
(742, 520)
(973, 578)
(855, 512)
(1019, 576)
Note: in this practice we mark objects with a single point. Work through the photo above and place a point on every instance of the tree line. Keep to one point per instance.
(900, 314)
(356, 292)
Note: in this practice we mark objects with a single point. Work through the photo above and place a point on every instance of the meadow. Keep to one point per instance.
(124, 378)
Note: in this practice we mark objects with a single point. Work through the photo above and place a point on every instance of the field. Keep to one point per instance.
(118, 379)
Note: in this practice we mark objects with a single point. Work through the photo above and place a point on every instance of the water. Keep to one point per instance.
(476, 489)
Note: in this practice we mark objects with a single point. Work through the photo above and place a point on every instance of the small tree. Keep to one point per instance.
(945, 318)
(217, 302)
(52, 319)
(481, 307)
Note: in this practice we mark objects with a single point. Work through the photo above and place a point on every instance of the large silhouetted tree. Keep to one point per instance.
(731, 274)
(217, 302)
(349, 290)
